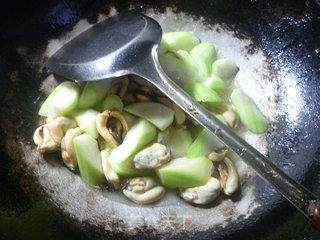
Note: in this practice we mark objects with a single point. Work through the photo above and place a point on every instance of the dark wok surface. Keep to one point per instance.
(288, 32)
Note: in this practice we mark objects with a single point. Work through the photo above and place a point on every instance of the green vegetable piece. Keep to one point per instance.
(216, 84)
(179, 41)
(204, 54)
(86, 120)
(157, 113)
(205, 143)
(121, 157)
(93, 93)
(248, 111)
(176, 69)
(197, 73)
(112, 101)
(61, 101)
(130, 119)
(225, 69)
(89, 159)
(179, 142)
(185, 172)
(204, 94)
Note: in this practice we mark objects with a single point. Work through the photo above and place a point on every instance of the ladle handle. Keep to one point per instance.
(300, 197)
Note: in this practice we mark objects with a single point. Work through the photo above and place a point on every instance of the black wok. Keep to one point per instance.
(287, 33)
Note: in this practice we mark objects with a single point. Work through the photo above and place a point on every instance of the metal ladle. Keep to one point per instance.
(128, 44)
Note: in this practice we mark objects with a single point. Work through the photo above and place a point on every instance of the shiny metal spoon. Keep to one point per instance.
(128, 44)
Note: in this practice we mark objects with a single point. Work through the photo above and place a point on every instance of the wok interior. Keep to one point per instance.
(289, 104)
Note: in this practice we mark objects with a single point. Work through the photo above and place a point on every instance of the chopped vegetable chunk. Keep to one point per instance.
(156, 113)
(204, 94)
(216, 84)
(93, 93)
(185, 172)
(204, 144)
(179, 142)
(204, 54)
(176, 69)
(61, 101)
(179, 41)
(86, 119)
(225, 69)
(89, 159)
(112, 101)
(197, 73)
(121, 158)
(248, 111)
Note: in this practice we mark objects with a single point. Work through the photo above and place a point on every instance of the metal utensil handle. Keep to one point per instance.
(298, 195)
